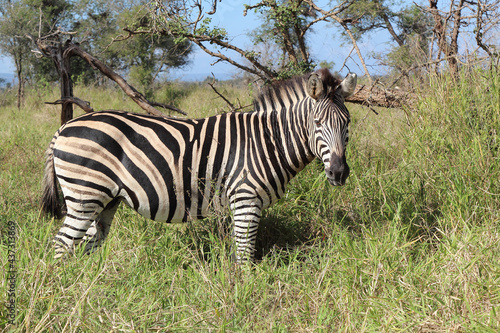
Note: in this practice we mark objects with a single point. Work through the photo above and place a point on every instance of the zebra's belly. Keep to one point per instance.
(182, 208)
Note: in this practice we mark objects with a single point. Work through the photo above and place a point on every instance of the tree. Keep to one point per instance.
(189, 20)
(291, 20)
(463, 14)
(53, 47)
(428, 35)
(487, 22)
(103, 26)
(409, 28)
(447, 28)
(58, 45)
(370, 15)
(413, 53)
(147, 56)
(285, 24)
(22, 17)
(98, 25)
(12, 20)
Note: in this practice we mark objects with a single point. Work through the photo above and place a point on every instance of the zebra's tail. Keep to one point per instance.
(50, 196)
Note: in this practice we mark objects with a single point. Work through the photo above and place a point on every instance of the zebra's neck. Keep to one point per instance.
(287, 130)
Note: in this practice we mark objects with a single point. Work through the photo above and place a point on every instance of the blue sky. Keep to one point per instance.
(324, 44)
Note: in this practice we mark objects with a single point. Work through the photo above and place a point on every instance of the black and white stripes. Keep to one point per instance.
(180, 169)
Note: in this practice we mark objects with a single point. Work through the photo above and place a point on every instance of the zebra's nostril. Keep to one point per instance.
(333, 175)
(329, 173)
(335, 172)
(337, 175)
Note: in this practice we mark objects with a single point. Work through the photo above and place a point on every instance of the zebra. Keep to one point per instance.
(173, 169)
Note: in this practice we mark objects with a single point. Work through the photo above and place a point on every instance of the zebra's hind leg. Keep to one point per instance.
(246, 218)
(79, 217)
(99, 229)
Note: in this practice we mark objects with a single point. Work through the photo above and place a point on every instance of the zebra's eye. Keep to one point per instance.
(317, 122)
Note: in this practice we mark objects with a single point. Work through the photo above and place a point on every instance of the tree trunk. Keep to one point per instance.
(20, 81)
(20, 89)
(66, 84)
(457, 17)
(62, 63)
(449, 49)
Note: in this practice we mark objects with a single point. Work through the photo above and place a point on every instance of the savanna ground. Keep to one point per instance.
(411, 243)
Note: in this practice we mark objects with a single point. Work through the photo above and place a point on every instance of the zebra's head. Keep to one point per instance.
(329, 122)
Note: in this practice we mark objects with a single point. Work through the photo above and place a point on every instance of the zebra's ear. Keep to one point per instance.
(315, 86)
(348, 85)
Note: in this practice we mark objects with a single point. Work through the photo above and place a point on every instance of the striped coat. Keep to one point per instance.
(174, 170)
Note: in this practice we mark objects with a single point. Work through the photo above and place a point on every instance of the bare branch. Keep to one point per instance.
(212, 85)
(345, 60)
(327, 14)
(84, 105)
(118, 38)
(214, 7)
(387, 98)
(348, 31)
(128, 89)
(168, 107)
(479, 29)
(265, 73)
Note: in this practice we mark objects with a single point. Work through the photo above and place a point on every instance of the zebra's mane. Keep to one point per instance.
(292, 89)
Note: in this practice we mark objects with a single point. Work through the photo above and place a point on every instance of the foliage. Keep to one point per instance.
(19, 19)
(293, 69)
(411, 243)
(280, 45)
(285, 24)
(367, 16)
(413, 21)
(22, 17)
(96, 23)
(409, 28)
(146, 56)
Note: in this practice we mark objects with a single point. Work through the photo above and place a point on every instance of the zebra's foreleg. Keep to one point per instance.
(246, 218)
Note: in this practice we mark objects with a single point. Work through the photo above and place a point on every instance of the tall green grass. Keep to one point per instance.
(411, 243)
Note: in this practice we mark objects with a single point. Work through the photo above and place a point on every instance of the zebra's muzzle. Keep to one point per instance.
(338, 171)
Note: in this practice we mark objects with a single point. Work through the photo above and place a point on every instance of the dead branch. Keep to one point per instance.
(169, 107)
(327, 14)
(387, 98)
(212, 85)
(333, 16)
(265, 75)
(136, 96)
(484, 22)
(52, 47)
(232, 108)
(214, 7)
(84, 105)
